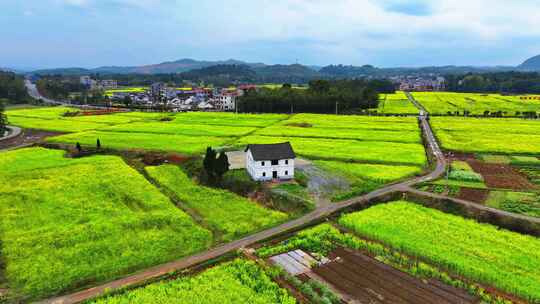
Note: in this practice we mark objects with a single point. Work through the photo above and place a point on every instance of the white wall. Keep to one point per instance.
(284, 168)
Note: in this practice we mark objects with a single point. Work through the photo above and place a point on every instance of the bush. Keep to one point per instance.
(467, 176)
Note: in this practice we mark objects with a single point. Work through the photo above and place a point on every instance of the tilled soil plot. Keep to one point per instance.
(27, 137)
(473, 195)
(501, 176)
(370, 281)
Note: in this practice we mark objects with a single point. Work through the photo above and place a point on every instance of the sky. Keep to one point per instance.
(384, 33)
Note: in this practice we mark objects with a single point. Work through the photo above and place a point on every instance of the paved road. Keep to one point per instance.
(34, 93)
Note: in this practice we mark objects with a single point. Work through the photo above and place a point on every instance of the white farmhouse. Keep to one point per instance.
(270, 161)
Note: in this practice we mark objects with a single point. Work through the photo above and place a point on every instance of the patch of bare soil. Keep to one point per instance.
(156, 159)
(370, 281)
(27, 137)
(300, 124)
(460, 156)
(473, 195)
(501, 176)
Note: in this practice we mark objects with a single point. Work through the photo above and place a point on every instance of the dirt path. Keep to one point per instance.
(27, 137)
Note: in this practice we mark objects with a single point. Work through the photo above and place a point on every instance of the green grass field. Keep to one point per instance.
(68, 223)
(488, 135)
(480, 252)
(230, 215)
(239, 281)
(476, 104)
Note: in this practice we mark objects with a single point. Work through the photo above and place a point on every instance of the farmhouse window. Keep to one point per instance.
(275, 162)
(286, 172)
(262, 163)
(286, 162)
(264, 174)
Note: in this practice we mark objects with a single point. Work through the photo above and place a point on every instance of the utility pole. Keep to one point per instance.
(337, 103)
(292, 108)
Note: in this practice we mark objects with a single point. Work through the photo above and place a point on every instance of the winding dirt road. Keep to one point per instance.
(320, 213)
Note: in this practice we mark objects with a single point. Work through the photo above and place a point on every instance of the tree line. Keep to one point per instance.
(322, 96)
(12, 88)
(503, 82)
(3, 120)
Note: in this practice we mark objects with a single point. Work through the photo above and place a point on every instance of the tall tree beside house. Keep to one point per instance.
(209, 163)
(3, 120)
(221, 165)
(215, 166)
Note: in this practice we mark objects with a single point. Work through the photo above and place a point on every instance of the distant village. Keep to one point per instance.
(219, 99)
(176, 99)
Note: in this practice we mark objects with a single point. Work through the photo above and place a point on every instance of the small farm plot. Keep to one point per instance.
(396, 103)
(239, 281)
(527, 203)
(479, 135)
(363, 178)
(480, 252)
(68, 223)
(228, 214)
(366, 271)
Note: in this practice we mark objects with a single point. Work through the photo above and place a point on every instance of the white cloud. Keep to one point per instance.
(485, 20)
(76, 2)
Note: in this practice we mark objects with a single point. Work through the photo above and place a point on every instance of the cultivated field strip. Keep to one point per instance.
(457, 244)
(229, 283)
(488, 135)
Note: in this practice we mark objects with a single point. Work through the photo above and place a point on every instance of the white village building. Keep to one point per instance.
(270, 161)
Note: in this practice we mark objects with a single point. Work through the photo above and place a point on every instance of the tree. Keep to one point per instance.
(209, 163)
(3, 120)
(78, 146)
(215, 167)
(221, 165)
(98, 144)
(127, 101)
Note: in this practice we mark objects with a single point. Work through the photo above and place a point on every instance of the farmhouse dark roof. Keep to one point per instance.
(271, 151)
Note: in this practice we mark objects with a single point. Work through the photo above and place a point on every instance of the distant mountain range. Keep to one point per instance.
(295, 70)
(179, 66)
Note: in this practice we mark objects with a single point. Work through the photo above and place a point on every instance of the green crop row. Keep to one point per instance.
(239, 281)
